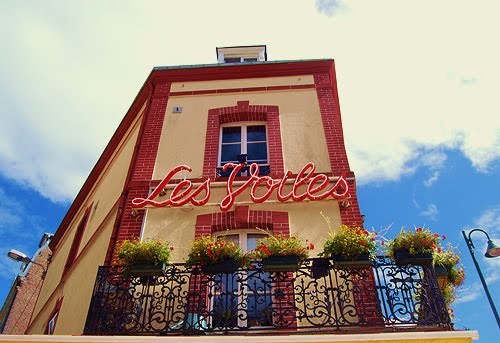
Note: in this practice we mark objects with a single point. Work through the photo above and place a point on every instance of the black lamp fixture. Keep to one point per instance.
(492, 250)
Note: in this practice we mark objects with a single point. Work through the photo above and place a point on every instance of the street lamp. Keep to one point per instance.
(22, 257)
(492, 250)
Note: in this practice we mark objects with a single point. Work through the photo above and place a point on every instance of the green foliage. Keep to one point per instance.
(419, 241)
(209, 250)
(349, 242)
(450, 259)
(282, 245)
(151, 251)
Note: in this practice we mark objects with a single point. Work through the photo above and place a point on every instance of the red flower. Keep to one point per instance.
(171, 248)
(362, 243)
(439, 250)
(436, 235)
(366, 232)
(382, 243)
(444, 237)
(373, 238)
(419, 229)
(311, 246)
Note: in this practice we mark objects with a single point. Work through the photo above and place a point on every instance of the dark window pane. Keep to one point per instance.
(257, 151)
(256, 133)
(251, 59)
(231, 134)
(230, 153)
(232, 59)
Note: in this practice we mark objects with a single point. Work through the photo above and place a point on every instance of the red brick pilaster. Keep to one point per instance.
(143, 162)
(326, 89)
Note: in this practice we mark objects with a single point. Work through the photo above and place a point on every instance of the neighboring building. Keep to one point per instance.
(20, 303)
(281, 115)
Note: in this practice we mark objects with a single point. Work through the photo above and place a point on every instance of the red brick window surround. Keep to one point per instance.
(242, 218)
(54, 315)
(243, 112)
(77, 240)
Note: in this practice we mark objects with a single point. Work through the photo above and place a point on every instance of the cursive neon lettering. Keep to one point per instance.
(183, 193)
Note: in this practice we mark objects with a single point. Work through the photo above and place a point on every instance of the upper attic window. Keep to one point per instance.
(242, 54)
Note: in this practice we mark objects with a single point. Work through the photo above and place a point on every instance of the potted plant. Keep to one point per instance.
(413, 247)
(281, 253)
(216, 255)
(447, 267)
(350, 247)
(149, 257)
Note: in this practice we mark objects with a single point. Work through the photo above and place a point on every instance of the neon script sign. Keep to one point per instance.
(183, 193)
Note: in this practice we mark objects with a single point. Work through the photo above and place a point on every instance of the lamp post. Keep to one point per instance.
(22, 257)
(492, 250)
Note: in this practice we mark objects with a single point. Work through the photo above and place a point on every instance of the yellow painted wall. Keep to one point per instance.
(103, 198)
(178, 224)
(183, 138)
(77, 289)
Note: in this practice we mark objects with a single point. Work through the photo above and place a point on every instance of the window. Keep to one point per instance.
(52, 324)
(244, 139)
(75, 245)
(240, 59)
(253, 298)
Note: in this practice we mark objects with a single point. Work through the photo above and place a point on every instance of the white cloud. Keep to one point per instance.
(468, 294)
(329, 7)
(408, 90)
(431, 180)
(431, 212)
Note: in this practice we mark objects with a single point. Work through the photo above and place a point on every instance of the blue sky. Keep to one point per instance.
(418, 84)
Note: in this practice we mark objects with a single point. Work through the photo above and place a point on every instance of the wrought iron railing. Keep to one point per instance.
(384, 297)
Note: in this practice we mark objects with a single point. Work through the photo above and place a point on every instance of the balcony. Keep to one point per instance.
(314, 299)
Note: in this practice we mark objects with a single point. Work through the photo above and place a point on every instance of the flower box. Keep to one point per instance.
(354, 262)
(147, 269)
(404, 258)
(280, 264)
(226, 266)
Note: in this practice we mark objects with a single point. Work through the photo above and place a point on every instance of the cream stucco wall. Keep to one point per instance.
(302, 134)
(177, 225)
(103, 198)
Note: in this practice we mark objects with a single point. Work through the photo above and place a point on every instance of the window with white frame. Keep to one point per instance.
(248, 139)
(254, 298)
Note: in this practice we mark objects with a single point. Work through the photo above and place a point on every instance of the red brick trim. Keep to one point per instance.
(242, 218)
(243, 111)
(77, 239)
(129, 224)
(326, 90)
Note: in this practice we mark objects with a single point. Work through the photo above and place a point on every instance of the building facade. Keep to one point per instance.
(162, 176)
